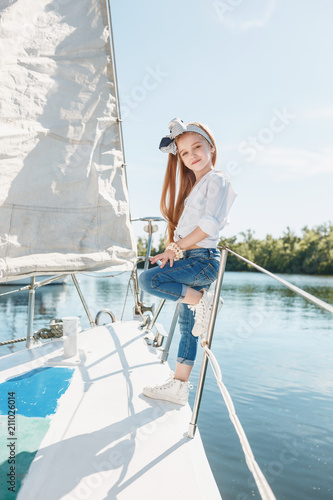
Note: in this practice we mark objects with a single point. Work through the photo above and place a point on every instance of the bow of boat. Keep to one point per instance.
(101, 437)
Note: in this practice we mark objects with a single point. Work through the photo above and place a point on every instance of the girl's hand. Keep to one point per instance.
(164, 257)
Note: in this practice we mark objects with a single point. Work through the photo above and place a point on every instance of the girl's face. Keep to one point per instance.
(195, 152)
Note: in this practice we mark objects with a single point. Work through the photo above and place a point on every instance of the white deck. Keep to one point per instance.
(106, 440)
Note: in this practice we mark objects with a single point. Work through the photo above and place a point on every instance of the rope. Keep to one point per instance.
(7, 342)
(263, 486)
(55, 330)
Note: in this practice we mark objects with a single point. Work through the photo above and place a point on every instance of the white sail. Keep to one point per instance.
(63, 195)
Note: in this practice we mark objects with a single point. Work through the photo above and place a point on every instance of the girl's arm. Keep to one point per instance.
(192, 239)
(189, 241)
(219, 198)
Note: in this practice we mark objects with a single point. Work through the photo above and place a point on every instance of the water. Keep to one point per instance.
(274, 349)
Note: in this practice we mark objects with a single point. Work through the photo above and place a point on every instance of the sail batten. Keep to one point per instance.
(63, 195)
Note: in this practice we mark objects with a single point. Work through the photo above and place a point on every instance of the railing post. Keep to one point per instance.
(146, 265)
(31, 311)
(197, 401)
(154, 318)
(137, 303)
(166, 349)
(77, 286)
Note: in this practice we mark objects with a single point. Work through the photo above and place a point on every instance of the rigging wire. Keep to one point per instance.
(16, 290)
(129, 286)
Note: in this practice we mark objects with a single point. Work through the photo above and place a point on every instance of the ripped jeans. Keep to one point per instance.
(198, 269)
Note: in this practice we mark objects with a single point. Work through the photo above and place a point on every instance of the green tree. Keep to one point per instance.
(310, 254)
(142, 245)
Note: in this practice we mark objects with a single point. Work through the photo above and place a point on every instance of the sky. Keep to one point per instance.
(260, 75)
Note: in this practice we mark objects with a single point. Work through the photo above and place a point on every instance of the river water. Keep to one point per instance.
(275, 352)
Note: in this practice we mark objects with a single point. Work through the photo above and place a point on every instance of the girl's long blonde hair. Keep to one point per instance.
(178, 183)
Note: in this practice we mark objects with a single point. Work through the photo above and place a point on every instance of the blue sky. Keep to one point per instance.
(259, 74)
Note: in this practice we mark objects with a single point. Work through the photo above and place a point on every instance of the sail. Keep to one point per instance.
(63, 195)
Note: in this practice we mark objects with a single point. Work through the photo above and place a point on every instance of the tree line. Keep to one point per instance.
(310, 253)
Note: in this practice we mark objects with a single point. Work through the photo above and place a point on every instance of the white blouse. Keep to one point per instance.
(207, 206)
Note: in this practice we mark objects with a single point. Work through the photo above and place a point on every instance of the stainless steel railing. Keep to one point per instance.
(224, 254)
(211, 325)
(140, 307)
(31, 304)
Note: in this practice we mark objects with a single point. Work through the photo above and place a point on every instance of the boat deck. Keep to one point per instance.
(106, 440)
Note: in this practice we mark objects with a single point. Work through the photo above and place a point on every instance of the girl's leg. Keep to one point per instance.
(164, 283)
(192, 296)
(188, 344)
(183, 372)
(176, 389)
(175, 283)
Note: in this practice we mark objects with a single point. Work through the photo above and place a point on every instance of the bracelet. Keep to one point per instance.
(176, 250)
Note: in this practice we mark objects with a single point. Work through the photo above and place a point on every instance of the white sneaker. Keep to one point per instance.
(172, 390)
(203, 311)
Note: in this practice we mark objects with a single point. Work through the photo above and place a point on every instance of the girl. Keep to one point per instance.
(190, 262)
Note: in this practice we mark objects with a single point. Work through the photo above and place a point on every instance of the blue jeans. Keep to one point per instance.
(198, 269)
